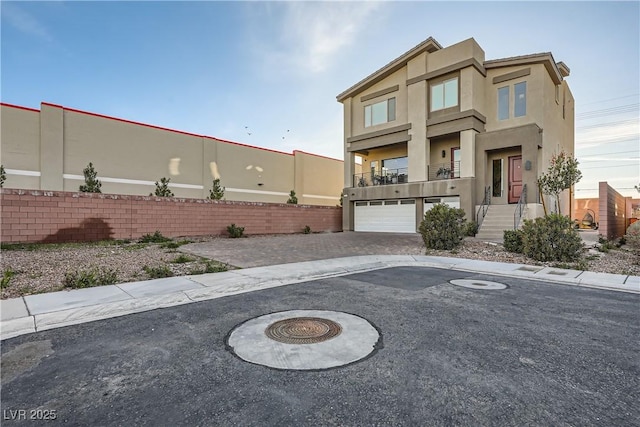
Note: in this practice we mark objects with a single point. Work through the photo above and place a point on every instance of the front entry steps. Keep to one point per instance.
(497, 219)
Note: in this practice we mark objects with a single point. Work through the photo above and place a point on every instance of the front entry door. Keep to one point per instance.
(515, 178)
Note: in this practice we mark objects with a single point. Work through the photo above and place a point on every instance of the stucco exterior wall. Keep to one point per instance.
(612, 212)
(49, 149)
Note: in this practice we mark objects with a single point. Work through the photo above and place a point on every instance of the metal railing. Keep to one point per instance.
(439, 171)
(522, 202)
(484, 207)
(381, 177)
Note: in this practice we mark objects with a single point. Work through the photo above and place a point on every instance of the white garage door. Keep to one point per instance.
(452, 202)
(392, 216)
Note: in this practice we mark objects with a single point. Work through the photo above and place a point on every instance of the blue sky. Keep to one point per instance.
(267, 73)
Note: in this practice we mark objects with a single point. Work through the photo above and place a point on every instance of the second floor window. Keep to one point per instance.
(380, 112)
(520, 99)
(444, 95)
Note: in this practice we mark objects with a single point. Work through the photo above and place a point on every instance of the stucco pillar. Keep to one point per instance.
(418, 146)
(52, 148)
(349, 168)
(468, 153)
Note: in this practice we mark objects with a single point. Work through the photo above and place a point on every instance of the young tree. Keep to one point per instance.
(293, 200)
(162, 188)
(91, 182)
(3, 176)
(217, 192)
(562, 174)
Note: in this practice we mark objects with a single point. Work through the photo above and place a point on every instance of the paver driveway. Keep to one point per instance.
(259, 251)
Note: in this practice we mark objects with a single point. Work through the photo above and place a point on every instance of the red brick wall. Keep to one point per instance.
(612, 212)
(45, 216)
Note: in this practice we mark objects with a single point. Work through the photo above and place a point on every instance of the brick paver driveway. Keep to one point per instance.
(258, 251)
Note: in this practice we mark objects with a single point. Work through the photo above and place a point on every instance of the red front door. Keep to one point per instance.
(515, 178)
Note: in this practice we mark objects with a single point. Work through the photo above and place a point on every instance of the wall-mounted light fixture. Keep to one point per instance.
(444, 154)
(527, 165)
(260, 184)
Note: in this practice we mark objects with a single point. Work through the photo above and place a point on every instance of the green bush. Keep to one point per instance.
(3, 176)
(513, 241)
(471, 228)
(79, 279)
(443, 227)
(6, 277)
(293, 199)
(551, 238)
(158, 272)
(162, 188)
(632, 238)
(306, 229)
(91, 183)
(209, 267)
(156, 237)
(182, 258)
(234, 231)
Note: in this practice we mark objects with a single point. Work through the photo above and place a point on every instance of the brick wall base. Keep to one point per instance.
(45, 216)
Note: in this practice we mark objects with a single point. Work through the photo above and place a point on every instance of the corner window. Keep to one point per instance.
(520, 101)
(503, 103)
(380, 112)
(444, 95)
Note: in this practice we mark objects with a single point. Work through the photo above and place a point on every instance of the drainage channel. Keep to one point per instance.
(304, 339)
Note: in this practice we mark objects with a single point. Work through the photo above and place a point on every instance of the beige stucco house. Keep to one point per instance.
(47, 149)
(443, 124)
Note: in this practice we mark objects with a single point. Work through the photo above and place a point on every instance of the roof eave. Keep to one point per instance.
(429, 45)
(538, 58)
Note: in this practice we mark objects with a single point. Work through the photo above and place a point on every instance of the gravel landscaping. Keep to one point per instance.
(31, 269)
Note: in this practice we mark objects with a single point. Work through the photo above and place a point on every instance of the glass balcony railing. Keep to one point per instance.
(381, 177)
(439, 171)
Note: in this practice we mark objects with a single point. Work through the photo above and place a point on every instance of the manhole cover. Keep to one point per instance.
(478, 284)
(304, 339)
(303, 330)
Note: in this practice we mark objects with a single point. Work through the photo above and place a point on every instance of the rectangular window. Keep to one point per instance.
(497, 178)
(503, 103)
(455, 162)
(394, 164)
(520, 102)
(444, 95)
(380, 112)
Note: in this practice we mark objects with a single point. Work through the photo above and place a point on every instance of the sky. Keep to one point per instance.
(267, 73)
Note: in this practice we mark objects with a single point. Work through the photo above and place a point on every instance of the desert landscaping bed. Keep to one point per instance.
(31, 269)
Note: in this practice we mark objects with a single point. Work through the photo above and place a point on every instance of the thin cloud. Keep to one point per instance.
(24, 21)
(608, 133)
(311, 34)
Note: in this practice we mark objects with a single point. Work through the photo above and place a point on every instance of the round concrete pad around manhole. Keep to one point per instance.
(478, 284)
(304, 339)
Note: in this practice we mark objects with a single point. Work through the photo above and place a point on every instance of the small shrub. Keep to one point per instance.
(306, 229)
(551, 238)
(158, 272)
(235, 231)
(80, 279)
(175, 245)
(162, 188)
(91, 182)
(632, 237)
(6, 278)
(513, 241)
(443, 227)
(182, 258)
(471, 228)
(217, 192)
(293, 199)
(3, 176)
(156, 237)
(210, 267)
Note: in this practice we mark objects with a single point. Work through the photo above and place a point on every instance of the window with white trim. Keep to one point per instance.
(444, 94)
(380, 112)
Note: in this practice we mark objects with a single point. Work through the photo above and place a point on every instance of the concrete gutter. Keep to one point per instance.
(40, 312)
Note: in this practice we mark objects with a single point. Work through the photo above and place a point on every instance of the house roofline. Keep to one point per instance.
(429, 45)
(556, 70)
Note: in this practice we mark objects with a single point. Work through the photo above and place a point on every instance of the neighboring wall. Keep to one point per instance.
(44, 216)
(582, 206)
(48, 150)
(612, 212)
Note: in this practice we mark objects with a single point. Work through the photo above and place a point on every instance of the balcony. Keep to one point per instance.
(440, 171)
(381, 177)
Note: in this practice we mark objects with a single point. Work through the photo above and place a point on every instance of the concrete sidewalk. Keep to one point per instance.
(40, 312)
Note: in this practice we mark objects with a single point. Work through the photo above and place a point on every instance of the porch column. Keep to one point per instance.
(349, 168)
(467, 153)
(418, 146)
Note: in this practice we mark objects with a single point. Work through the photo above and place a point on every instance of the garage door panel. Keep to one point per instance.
(390, 217)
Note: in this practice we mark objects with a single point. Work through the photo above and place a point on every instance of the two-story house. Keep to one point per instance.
(444, 125)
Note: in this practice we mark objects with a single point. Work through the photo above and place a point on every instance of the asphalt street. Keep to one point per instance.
(534, 353)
